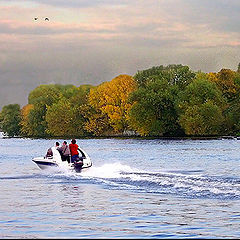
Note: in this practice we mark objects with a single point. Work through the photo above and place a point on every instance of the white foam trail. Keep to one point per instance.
(110, 170)
(195, 184)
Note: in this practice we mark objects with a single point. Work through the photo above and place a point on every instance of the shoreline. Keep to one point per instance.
(221, 137)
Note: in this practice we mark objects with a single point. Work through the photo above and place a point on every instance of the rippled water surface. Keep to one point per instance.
(135, 189)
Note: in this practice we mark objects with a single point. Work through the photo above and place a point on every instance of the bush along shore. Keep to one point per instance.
(165, 102)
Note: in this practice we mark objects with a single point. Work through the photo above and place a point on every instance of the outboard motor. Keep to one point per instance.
(78, 163)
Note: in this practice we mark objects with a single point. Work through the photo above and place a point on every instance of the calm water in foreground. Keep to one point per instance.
(135, 189)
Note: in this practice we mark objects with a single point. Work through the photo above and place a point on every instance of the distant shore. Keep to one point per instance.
(132, 137)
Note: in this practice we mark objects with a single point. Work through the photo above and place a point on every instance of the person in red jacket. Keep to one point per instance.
(74, 150)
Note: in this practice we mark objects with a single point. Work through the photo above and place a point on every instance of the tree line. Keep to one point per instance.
(161, 101)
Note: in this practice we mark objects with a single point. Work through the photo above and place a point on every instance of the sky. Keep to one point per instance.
(93, 41)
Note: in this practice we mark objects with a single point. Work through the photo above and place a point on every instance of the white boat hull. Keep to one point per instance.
(55, 162)
(44, 164)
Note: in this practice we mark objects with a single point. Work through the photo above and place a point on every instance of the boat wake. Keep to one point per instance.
(183, 183)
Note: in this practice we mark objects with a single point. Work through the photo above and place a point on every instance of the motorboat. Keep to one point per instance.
(55, 161)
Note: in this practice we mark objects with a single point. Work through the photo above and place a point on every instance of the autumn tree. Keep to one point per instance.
(10, 119)
(110, 102)
(227, 81)
(26, 129)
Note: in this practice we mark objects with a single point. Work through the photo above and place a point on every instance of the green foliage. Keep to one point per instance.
(160, 101)
(200, 91)
(79, 96)
(201, 108)
(44, 95)
(232, 115)
(145, 76)
(153, 112)
(41, 98)
(202, 120)
(10, 118)
(97, 123)
(51, 98)
(237, 81)
(63, 119)
(37, 120)
(174, 74)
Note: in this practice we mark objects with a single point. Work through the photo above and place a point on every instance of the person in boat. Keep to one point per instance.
(57, 146)
(65, 151)
(49, 153)
(74, 150)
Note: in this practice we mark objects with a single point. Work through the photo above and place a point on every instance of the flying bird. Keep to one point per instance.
(35, 18)
(46, 19)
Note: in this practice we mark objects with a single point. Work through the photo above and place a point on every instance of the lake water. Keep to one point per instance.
(135, 189)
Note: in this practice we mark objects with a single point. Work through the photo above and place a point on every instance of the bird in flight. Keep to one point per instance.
(46, 19)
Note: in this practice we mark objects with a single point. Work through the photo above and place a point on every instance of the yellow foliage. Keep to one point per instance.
(212, 77)
(111, 98)
(26, 129)
(225, 80)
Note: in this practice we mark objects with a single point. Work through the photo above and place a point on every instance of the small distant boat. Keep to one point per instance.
(83, 162)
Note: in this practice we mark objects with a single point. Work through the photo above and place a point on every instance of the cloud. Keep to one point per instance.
(187, 23)
(94, 41)
(72, 3)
